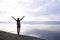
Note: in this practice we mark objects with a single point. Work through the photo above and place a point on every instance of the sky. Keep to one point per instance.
(33, 10)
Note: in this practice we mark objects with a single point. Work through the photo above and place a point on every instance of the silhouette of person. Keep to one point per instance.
(18, 23)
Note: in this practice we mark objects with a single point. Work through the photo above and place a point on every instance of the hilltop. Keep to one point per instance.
(10, 36)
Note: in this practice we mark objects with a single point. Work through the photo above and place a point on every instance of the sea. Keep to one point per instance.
(45, 31)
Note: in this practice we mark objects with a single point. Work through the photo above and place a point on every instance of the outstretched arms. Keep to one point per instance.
(13, 18)
(22, 18)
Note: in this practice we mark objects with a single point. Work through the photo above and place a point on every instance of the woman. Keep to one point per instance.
(18, 23)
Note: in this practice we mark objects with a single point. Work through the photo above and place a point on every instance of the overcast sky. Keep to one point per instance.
(34, 10)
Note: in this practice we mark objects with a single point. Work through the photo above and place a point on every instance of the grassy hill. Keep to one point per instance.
(10, 36)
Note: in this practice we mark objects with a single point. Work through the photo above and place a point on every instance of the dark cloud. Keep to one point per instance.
(35, 22)
(42, 22)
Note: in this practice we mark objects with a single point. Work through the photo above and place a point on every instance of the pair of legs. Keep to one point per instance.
(18, 30)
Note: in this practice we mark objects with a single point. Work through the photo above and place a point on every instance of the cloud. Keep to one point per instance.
(2, 12)
(39, 8)
(51, 17)
(33, 9)
(48, 8)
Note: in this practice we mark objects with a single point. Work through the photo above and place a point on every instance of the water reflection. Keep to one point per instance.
(50, 32)
(50, 35)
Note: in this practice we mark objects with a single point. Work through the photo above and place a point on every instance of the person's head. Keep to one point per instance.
(17, 18)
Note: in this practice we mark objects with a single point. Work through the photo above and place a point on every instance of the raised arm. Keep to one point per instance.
(22, 18)
(13, 18)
